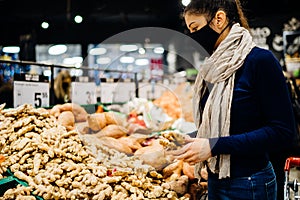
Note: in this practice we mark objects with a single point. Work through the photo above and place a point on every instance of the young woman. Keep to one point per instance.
(246, 115)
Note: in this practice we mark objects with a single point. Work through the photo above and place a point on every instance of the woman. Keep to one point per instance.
(62, 87)
(246, 115)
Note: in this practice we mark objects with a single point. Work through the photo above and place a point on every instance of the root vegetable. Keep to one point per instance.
(36, 163)
(22, 176)
(115, 144)
(114, 118)
(179, 186)
(112, 130)
(131, 142)
(188, 170)
(67, 120)
(174, 168)
(153, 155)
(2, 158)
(96, 121)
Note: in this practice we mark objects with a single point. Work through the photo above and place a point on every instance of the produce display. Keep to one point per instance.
(66, 153)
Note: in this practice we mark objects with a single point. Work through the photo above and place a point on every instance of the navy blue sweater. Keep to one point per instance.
(261, 115)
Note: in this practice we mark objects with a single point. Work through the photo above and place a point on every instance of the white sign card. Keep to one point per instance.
(119, 92)
(84, 93)
(34, 93)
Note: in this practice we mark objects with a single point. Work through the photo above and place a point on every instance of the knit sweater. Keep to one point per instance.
(261, 115)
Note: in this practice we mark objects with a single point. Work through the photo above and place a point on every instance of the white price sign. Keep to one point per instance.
(108, 92)
(34, 93)
(84, 93)
(119, 92)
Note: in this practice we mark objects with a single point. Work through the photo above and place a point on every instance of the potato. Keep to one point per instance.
(131, 142)
(112, 130)
(115, 144)
(114, 118)
(67, 120)
(96, 121)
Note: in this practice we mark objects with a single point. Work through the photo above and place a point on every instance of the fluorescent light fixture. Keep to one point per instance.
(78, 19)
(128, 47)
(185, 2)
(103, 60)
(68, 61)
(76, 72)
(11, 49)
(47, 72)
(97, 51)
(45, 25)
(73, 61)
(159, 50)
(77, 59)
(142, 51)
(77, 65)
(57, 49)
(142, 61)
(127, 59)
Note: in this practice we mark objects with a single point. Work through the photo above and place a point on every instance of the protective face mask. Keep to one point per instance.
(206, 37)
(65, 85)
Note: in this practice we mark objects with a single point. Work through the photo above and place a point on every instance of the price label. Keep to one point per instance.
(34, 93)
(152, 91)
(84, 93)
(119, 92)
(107, 92)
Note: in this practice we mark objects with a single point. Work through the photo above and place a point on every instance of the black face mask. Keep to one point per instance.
(65, 85)
(206, 37)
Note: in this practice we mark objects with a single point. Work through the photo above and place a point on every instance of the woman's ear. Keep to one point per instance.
(220, 20)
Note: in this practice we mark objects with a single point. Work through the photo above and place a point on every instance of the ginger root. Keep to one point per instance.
(112, 130)
(67, 120)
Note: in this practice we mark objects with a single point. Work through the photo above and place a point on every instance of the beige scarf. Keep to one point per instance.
(219, 69)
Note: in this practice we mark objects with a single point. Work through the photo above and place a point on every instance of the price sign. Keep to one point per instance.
(84, 93)
(29, 89)
(119, 92)
(124, 92)
(107, 92)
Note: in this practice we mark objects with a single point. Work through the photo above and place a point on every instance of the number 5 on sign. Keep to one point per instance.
(34, 93)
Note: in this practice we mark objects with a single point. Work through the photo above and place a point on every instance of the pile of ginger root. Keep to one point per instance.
(56, 163)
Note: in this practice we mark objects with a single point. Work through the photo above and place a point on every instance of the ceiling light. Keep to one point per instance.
(45, 25)
(103, 61)
(127, 59)
(77, 59)
(128, 47)
(57, 49)
(11, 49)
(142, 61)
(159, 50)
(77, 65)
(68, 61)
(76, 72)
(78, 19)
(185, 2)
(97, 51)
(47, 72)
(142, 51)
(73, 61)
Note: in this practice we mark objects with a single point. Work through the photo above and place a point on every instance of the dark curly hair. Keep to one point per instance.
(208, 8)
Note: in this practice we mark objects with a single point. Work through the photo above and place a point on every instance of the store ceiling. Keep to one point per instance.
(102, 18)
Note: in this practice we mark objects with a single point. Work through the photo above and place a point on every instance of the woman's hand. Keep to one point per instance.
(196, 150)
